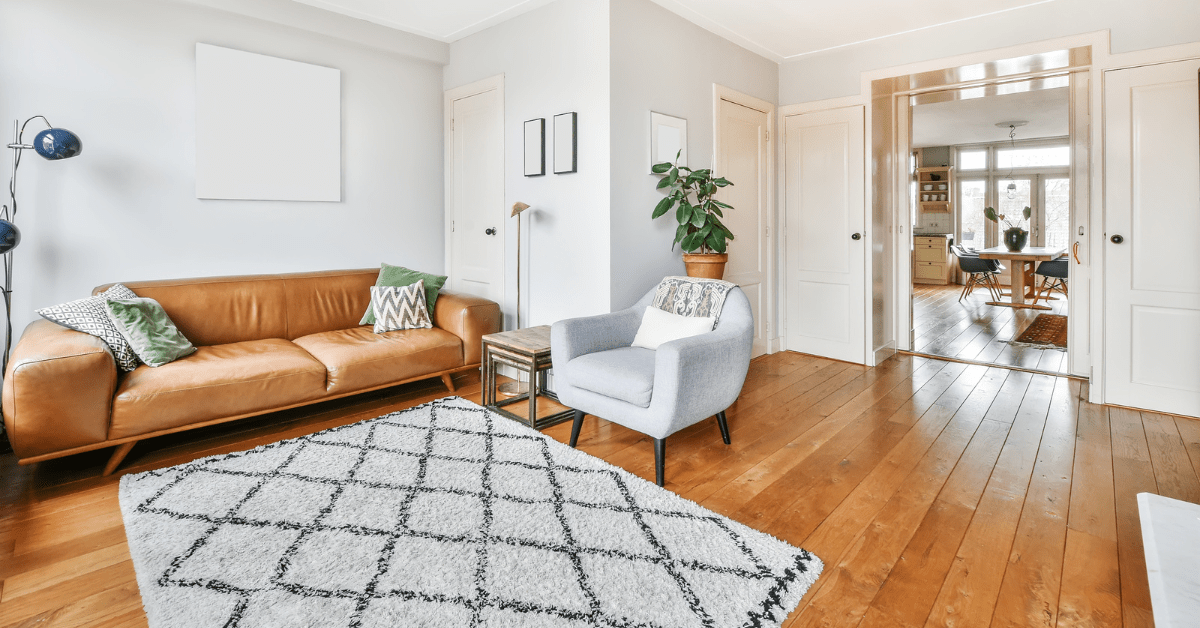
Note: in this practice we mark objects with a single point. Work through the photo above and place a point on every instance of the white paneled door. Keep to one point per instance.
(826, 237)
(475, 190)
(1151, 223)
(743, 156)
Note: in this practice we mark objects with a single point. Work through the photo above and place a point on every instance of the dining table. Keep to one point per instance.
(1021, 265)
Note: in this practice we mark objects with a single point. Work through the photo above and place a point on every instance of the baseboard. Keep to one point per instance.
(885, 352)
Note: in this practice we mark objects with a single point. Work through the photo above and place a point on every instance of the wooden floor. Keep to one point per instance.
(937, 493)
(973, 330)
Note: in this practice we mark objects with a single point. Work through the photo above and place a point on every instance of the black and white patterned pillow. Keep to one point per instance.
(88, 316)
(400, 308)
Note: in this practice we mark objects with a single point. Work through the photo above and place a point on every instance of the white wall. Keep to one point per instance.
(1134, 25)
(554, 59)
(120, 74)
(664, 63)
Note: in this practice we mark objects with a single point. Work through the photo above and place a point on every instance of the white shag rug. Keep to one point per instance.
(445, 514)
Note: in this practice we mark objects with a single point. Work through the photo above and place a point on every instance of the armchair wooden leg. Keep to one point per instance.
(660, 452)
(724, 425)
(118, 455)
(575, 427)
(448, 381)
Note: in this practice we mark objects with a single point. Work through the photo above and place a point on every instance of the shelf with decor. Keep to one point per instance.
(935, 189)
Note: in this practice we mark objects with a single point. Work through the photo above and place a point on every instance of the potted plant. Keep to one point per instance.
(700, 234)
(1015, 237)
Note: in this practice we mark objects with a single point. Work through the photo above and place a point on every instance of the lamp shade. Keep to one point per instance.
(10, 236)
(56, 144)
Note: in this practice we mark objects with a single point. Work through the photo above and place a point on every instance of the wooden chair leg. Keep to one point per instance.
(575, 427)
(660, 452)
(967, 288)
(724, 425)
(448, 381)
(118, 455)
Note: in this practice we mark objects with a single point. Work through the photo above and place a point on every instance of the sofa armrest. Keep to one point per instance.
(58, 390)
(468, 317)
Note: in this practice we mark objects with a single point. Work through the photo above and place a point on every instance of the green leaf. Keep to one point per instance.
(683, 215)
(699, 217)
(664, 183)
(708, 227)
(673, 176)
(680, 233)
(660, 168)
(703, 172)
(720, 204)
(1027, 212)
(722, 182)
(716, 243)
(663, 207)
(708, 188)
(691, 242)
(989, 213)
(716, 211)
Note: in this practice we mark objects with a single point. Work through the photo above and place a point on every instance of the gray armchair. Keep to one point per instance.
(655, 392)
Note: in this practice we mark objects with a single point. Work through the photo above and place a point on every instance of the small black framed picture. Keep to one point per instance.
(535, 147)
(566, 143)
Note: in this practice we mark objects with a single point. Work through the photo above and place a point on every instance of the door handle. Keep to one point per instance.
(1075, 252)
(489, 231)
(857, 236)
(1117, 239)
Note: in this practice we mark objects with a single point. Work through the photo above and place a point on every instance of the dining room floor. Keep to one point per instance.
(973, 330)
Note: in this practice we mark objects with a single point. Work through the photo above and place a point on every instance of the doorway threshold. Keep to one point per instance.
(991, 365)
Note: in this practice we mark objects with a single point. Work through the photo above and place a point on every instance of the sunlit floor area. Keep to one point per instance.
(973, 330)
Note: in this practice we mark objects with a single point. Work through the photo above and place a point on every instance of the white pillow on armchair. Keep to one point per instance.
(658, 327)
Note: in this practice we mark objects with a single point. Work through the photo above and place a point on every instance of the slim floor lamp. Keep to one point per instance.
(518, 387)
(53, 144)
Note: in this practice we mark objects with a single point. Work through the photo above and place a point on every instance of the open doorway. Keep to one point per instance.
(973, 298)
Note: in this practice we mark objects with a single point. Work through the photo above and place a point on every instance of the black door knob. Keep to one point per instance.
(857, 236)
(490, 231)
(1117, 239)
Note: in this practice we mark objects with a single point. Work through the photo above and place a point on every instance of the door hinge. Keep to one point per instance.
(451, 226)
(766, 136)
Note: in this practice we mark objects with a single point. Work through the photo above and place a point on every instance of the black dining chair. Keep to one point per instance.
(980, 272)
(1054, 277)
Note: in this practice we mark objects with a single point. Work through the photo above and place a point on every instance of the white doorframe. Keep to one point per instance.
(495, 83)
(766, 241)
(868, 353)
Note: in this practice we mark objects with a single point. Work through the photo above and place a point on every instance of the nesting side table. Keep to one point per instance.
(527, 350)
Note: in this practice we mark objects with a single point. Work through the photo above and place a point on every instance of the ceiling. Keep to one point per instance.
(974, 121)
(776, 29)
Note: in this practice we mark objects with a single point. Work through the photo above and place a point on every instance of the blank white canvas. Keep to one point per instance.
(266, 128)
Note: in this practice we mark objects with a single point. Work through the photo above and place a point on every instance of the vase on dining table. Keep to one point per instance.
(1015, 239)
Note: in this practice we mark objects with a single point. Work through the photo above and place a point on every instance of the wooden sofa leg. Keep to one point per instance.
(448, 381)
(575, 427)
(724, 425)
(660, 453)
(118, 455)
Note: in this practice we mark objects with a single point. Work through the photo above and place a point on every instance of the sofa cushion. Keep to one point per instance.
(626, 374)
(357, 358)
(216, 382)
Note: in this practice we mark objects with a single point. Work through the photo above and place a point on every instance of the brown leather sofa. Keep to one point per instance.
(264, 343)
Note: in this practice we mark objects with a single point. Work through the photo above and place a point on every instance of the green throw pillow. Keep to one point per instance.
(398, 277)
(149, 330)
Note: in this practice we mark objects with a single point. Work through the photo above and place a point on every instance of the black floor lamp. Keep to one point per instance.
(53, 144)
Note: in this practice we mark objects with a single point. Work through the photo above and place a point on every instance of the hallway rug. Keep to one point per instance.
(445, 514)
(1047, 331)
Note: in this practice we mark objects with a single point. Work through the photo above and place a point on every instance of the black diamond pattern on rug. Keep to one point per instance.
(442, 515)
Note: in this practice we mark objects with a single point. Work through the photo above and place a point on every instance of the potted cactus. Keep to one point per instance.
(701, 234)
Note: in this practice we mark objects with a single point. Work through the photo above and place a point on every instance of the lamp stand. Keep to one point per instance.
(516, 387)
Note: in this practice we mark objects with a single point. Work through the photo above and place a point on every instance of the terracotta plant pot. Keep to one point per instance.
(705, 265)
(1015, 239)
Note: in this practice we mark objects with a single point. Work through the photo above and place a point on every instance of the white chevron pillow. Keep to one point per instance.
(400, 308)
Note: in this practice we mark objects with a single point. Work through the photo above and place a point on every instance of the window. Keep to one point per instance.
(1033, 157)
(972, 227)
(972, 159)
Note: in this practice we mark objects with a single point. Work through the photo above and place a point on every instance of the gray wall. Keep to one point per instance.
(1134, 25)
(121, 74)
(663, 63)
(554, 59)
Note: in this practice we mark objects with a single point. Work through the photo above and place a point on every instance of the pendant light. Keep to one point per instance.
(1011, 190)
